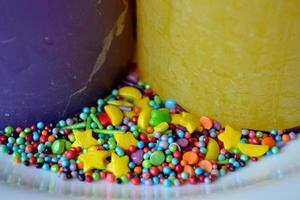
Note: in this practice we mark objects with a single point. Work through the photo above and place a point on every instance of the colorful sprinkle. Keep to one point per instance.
(134, 136)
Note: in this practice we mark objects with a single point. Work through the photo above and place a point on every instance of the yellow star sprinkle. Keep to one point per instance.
(230, 137)
(84, 139)
(189, 121)
(118, 165)
(94, 160)
(125, 140)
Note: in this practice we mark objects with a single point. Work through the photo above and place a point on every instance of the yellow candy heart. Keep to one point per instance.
(143, 103)
(143, 119)
(130, 93)
(253, 150)
(161, 127)
(120, 103)
(115, 114)
(212, 150)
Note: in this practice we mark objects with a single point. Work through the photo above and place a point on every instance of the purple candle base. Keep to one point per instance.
(57, 56)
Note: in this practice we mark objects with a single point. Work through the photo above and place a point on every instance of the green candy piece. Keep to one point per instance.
(59, 146)
(157, 158)
(147, 164)
(95, 176)
(27, 130)
(76, 126)
(22, 134)
(68, 145)
(124, 179)
(54, 168)
(109, 132)
(223, 162)
(16, 155)
(8, 130)
(88, 123)
(159, 116)
(95, 119)
(41, 148)
(40, 160)
(3, 149)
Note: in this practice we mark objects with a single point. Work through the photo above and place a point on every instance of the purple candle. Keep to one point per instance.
(59, 55)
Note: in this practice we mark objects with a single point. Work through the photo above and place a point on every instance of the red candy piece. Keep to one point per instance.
(135, 181)
(43, 138)
(32, 160)
(104, 119)
(70, 154)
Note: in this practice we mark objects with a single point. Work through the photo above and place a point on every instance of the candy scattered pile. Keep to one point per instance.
(134, 136)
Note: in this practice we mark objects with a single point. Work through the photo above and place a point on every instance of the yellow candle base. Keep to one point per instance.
(236, 61)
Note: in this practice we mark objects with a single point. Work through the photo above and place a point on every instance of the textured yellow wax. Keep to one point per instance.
(237, 61)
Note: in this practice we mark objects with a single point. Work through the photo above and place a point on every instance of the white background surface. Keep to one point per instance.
(273, 177)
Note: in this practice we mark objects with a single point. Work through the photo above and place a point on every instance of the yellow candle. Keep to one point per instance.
(236, 60)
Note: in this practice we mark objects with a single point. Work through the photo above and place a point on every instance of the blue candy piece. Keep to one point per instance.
(170, 104)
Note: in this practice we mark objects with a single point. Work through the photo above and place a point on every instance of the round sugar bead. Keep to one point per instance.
(198, 171)
(86, 110)
(180, 133)
(221, 157)
(54, 168)
(8, 130)
(167, 170)
(83, 116)
(167, 183)
(275, 150)
(96, 176)
(184, 175)
(140, 144)
(100, 102)
(62, 123)
(65, 163)
(278, 138)
(222, 172)
(259, 134)
(146, 164)
(244, 157)
(169, 158)
(170, 140)
(170, 104)
(40, 125)
(174, 161)
(20, 140)
(273, 132)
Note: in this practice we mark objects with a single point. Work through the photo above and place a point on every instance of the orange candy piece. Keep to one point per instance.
(190, 157)
(206, 122)
(268, 141)
(285, 138)
(206, 165)
(51, 138)
(137, 170)
(189, 169)
(18, 160)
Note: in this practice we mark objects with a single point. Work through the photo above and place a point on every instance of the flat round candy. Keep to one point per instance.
(157, 158)
(190, 157)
